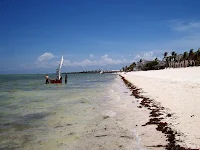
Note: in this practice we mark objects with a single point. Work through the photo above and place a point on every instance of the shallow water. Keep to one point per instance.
(34, 115)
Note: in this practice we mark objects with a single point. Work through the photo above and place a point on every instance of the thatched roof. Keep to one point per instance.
(160, 64)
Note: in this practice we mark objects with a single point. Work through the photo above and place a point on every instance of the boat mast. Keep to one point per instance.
(59, 68)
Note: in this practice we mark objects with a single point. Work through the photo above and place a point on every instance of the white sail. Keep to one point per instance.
(61, 62)
(101, 72)
(59, 68)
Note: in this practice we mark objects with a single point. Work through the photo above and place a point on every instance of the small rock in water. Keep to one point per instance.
(169, 115)
(58, 126)
(105, 117)
(69, 124)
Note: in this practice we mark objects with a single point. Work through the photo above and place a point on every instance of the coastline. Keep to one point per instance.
(118, 126)
(112, 119)
(172, 97)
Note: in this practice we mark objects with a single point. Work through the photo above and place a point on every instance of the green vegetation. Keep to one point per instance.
(186, 59)
(150, 65)
(183, 60)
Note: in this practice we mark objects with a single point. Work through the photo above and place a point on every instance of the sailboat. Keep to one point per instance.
(58, 76)
(101, 72)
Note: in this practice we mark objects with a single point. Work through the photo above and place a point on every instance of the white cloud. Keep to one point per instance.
(147, 56)
(66, 63)
(184, 25)
(44, 60)
(83, 63)
(137, 57)
(104, 60)
(91, 56)
(45, 56)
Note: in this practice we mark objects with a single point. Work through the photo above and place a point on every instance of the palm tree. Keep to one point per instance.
(185, 56)
(130, 68)
(191, 53)
(191, 56)
(173, 57)
(170, 61)
(173, 53)
(134, 65)
(196, 57)
(166, 58)
(179, 59)
(165, 55)
(167, 61)
(198, 52)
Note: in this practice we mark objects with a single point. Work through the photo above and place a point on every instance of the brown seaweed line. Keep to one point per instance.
(154, 114)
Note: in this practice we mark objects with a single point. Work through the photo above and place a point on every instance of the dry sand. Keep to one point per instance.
(178, 91)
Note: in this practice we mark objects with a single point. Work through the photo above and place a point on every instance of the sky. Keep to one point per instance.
(93, 34)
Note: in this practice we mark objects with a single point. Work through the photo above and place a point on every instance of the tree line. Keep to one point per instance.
(186, 59)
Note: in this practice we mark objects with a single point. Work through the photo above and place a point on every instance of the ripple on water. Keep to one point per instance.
(34, 113)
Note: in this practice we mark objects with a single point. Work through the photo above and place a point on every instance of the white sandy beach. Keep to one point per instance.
(178, 90)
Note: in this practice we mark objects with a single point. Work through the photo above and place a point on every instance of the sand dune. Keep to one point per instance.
(178, 90)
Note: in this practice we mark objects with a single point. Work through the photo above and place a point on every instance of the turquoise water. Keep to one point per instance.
(31, 111)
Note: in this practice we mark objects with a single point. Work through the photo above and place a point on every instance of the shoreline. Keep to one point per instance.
(155, 118)
(172, 97)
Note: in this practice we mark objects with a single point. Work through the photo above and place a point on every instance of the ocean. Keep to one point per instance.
(82, 114)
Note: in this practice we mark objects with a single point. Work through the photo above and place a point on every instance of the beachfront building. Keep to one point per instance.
(144, 65)
(141, 64)
(160, 65)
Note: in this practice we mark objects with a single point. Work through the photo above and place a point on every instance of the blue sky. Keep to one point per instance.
(93, 34)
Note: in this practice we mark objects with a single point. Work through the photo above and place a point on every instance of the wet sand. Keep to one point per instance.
(114, 123)
(118, 125)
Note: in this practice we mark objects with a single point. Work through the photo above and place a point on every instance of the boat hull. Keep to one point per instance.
(56, 81)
